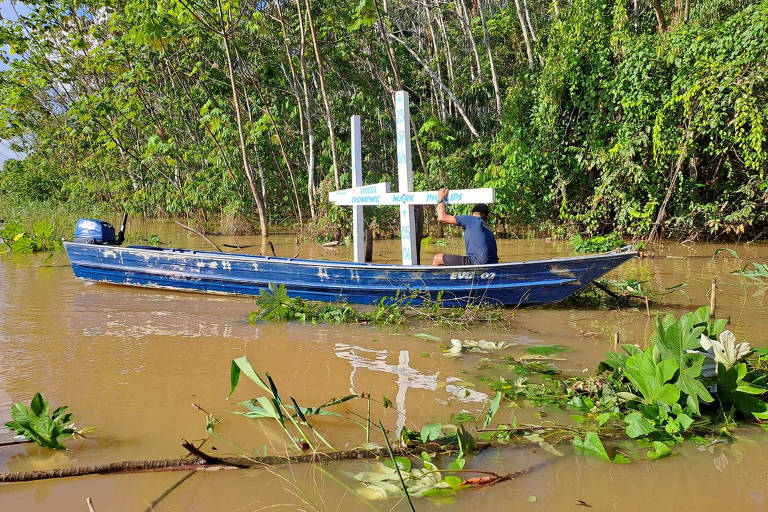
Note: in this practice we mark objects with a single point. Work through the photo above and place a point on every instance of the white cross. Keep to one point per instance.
(379, 194)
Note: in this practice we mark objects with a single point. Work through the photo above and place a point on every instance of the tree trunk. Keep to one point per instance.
(308, 113)
(532, 30)
(328, 112)
(295, 88)
(464, 21)
(658, 226)
(487, 42)
(260, 206)
(523, 27)
(677, 12)
(436, 63)
(659, 15)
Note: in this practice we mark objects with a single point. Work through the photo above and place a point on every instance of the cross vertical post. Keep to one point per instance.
(405, 176)
(358, 240)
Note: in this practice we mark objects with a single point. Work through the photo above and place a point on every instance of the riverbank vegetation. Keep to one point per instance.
(585, 116)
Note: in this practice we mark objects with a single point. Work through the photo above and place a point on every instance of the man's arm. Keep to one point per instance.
(441, 215)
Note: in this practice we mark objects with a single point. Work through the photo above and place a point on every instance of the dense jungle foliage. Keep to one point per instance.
(586, 115)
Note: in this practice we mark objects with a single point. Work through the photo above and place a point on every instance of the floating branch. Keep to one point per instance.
(204, 462)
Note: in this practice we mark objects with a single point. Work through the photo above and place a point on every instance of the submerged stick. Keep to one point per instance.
(713, 299)
(199, 234)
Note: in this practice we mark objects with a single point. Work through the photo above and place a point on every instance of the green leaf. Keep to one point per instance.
(438, 492)
(547, 350)
(37, 404)
(431, 432)
(591, 445)
(660, 450)
(729, 388)
(638, 425)
(493, 409)
(688, 382)
(620, 458)
(404, 463)
(457, 464)
(241, 365)
(453, 481)
(35, 424)
(650, 378)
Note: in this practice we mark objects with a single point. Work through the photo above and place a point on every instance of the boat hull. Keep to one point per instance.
(523, 283)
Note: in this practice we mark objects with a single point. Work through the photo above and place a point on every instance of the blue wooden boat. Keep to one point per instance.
(521, 283)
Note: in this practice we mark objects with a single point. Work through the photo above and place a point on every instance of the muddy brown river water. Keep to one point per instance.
(131, 362)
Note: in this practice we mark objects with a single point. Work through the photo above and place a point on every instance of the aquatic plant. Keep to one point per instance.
(659, 396)
(274, 304)
(599, 243)
(274, 407)
(40, 238)
(37, 424)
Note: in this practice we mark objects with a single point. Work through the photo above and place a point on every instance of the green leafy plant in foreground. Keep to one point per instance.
(693, 377)
(37, 424)
(274, 407)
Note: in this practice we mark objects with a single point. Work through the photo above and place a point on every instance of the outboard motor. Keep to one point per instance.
(93, 231)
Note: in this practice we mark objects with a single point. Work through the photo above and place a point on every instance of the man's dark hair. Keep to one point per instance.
(482, 209)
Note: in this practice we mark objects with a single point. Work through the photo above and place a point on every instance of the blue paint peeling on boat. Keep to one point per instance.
(521, 283)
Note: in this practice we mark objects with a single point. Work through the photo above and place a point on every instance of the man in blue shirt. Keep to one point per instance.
(478, 238)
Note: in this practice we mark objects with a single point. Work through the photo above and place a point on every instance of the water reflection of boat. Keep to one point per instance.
(531, 282)
(104, 311)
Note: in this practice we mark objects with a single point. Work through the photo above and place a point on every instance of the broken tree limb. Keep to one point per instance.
(199, 234)
(199, 463)
(442, 85)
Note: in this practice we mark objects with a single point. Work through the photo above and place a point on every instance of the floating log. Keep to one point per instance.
(204, 462)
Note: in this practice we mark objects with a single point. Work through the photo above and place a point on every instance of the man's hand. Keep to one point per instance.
(441, 215)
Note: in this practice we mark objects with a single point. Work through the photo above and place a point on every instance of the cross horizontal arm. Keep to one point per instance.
(376, 188)
(463, 196)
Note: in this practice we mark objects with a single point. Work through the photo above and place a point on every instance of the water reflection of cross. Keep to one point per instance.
(407, 377)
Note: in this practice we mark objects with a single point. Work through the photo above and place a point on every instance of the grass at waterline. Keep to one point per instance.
(275, 305)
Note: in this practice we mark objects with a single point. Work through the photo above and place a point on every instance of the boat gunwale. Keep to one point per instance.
(344, 264)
